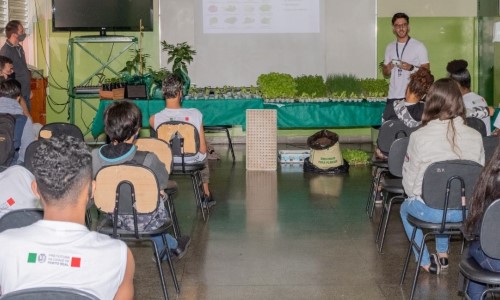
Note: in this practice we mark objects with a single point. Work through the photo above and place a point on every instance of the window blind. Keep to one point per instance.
(13, 10)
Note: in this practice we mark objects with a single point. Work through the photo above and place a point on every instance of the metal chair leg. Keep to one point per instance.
(408, 254)
(160, 270)
(374, 191)
(172, 270)
(230, 143)
(197, 195)
(417, 269)
(386, 220)
(173, 216)
(382, 218)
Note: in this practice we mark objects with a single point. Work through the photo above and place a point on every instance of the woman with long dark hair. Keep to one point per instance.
(443, 136)
(487, 190)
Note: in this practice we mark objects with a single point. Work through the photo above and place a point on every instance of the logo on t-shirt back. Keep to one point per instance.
(54, 259)
(9, 203)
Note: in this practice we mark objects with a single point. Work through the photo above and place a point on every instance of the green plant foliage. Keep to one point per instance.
(312, 86)
(158, 76)
(343, 86)
(137, 64)
(277, 85)
(180, 55)
(355, 157)
(374, 87)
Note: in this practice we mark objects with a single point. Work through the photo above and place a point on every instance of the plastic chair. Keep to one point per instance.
(392, 186)
(390, 131)
(476, 124)
(162, 150)
(20, 218)
(131, 190)
(49, 293)
(226, 129)
(58, 128)
(184, 140)
(446, 185)
(490, 244)
(490, 143)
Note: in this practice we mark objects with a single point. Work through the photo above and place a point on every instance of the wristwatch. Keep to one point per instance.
(412, 68)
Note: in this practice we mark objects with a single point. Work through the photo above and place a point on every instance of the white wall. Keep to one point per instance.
(344, 44)
(428, 8)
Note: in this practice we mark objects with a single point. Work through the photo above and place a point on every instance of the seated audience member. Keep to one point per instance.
(443, 136)
(410, 109)
(6, 68)
(475, 105)
(172, 90)
(122, 122)
(60, 251)
(15, 190)
(7, 73)
(487, 190)
(496, 124)
(10, 95)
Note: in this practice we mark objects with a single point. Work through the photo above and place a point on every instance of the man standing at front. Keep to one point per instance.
(402, 57)
(15, 33)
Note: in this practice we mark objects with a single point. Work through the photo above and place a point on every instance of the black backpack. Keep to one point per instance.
(11, 130)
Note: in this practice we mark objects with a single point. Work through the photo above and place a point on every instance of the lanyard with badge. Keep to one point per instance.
(400, 58)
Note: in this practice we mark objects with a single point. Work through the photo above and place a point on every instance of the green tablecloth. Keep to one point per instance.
(328, 114)
(215, 111)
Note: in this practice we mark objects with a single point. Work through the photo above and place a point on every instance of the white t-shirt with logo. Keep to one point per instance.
(61, 254)
(15, 190)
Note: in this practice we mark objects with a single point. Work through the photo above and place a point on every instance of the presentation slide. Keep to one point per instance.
(260, 16)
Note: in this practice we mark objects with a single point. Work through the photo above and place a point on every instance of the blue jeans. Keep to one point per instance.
(413, 206)
(171, 242)
(475, 288)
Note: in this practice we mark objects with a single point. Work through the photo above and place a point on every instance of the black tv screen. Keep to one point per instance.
(102, 15)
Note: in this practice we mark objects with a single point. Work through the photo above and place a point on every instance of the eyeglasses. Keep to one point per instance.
(400, 26)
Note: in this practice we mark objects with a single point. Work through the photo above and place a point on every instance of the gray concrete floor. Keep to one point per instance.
(288, 235)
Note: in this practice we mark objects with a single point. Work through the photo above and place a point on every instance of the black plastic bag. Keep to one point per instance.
(322, 141)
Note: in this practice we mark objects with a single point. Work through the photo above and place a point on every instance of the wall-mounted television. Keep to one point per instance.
(102, 15)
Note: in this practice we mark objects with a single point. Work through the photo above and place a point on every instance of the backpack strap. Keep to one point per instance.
(18, 130)
(139, 157)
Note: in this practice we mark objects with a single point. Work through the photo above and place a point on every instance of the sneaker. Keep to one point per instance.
(208, 201)
(435, 267)
(443, 261)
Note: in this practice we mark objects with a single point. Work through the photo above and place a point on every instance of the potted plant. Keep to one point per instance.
(276, 85)
(180, 55)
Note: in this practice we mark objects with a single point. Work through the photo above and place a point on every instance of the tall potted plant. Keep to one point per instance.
(180, 55)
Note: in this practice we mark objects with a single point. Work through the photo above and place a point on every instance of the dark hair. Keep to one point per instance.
(444, 102)
(122, 119)
(62, 166)
(486, 191)
(12, 27)
(10, 88)
(172, 86)
(400, 15)
(5, 60)
(420, 82)
(457, 70)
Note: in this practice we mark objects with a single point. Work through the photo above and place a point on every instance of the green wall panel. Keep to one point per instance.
(446, 38)
(486, 59)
